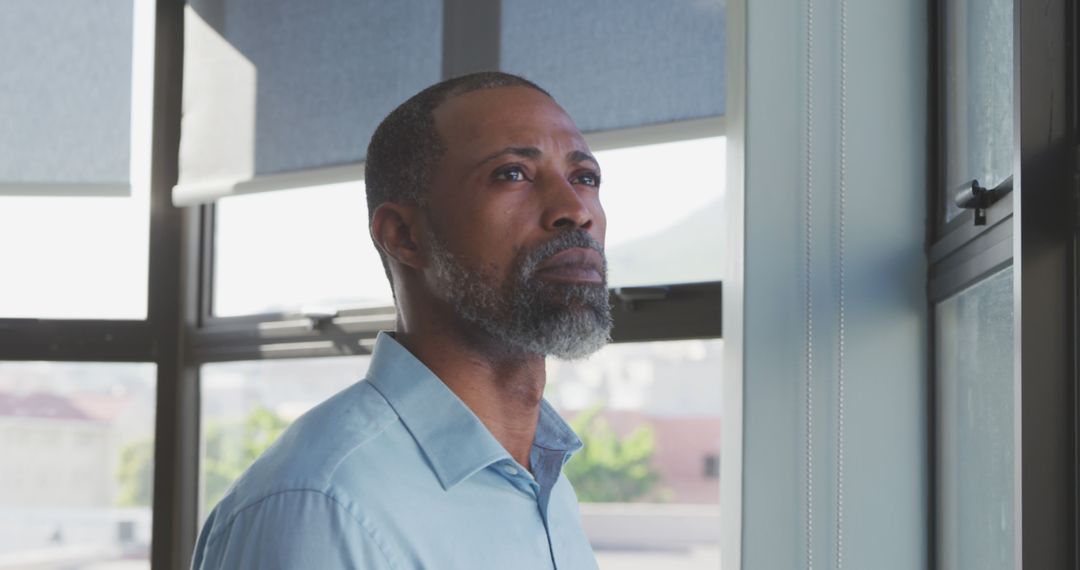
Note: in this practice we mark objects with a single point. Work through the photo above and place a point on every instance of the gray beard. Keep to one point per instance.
(528, 315)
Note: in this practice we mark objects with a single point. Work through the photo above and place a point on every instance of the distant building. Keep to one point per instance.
(673, 387)
(687, 453)
(55, 454)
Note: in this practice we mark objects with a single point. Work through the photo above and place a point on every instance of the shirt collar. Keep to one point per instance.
(553, 434)
(455, 442)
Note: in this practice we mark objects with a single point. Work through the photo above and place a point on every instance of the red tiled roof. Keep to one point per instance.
(101, 407)
(40, 405)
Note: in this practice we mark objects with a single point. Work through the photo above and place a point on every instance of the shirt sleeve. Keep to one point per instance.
(291, 530)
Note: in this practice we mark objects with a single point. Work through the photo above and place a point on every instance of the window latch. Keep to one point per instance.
(971, 196)
(319, 317)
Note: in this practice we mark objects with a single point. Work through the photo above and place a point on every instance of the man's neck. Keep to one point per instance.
(505, 393)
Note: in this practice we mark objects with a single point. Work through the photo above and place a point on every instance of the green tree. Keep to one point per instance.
(224, 460)
(136, 474)
(609, 468)
(230, 448)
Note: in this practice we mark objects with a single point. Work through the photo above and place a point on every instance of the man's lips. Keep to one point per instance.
(573, 265)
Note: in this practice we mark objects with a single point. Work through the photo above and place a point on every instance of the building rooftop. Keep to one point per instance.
(40, 405)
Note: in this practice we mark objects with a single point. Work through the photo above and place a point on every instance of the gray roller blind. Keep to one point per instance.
(616, 64)
(280, 93)
(65, 96)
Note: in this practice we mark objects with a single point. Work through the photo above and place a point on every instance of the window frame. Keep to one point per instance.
(1034, 229)
(180, 333)
(171, 302)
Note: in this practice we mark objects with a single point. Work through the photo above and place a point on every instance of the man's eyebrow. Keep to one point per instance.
(523, 151)
(581, 156)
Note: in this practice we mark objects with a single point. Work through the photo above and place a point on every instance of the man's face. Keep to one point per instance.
(516, 246)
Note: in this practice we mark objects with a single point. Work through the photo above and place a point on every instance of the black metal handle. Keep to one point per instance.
(971, 196)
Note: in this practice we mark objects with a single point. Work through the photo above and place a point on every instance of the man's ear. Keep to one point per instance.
(395, 228)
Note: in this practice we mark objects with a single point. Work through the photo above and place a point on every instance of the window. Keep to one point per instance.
(75, 208)
(297, 292)
(308, 250)
(662, 214)
(268, 284)
(99, 266)
(97, 252)
(76, 483)
(246, 405)
(971, 290)
(78, 377)
(296, 251)
(978, 95)
(712, 466)
(649, 417)
(975, 425)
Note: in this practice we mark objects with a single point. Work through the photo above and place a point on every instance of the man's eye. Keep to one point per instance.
(588, 179)
(512, 174)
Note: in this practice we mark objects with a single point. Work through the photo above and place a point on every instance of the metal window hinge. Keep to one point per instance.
(972, 196)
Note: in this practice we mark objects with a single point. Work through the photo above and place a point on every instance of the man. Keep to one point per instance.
(483, 201)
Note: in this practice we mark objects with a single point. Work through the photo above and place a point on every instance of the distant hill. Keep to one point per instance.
(689, 250)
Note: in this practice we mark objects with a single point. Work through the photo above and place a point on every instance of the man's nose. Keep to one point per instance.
(565, 206)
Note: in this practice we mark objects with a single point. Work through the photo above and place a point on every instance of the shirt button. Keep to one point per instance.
(510, 469)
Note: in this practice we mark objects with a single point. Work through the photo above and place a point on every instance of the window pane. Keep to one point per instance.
(296, 250)
(245, 405)
(76, 480)
(309, 249)
(975, 426)
(978, 60)
(652, 408)
(74, 258)
(664, 206)
(649, 475)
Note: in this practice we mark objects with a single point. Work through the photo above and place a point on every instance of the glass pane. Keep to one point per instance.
(649, 413)
(76, 480)
(656, 64)
(296, 250)
(978, 60)
(245, 405)
(975, 426)
(649, 475)
(309, 249)
(74, 258)
(674, 240)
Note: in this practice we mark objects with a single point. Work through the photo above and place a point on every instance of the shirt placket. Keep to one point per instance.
(547, 465)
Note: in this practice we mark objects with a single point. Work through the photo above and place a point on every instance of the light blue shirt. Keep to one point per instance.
(395, 472)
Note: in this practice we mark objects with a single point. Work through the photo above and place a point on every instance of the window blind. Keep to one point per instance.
(615, 64)
(65, 97)
(280, 94)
